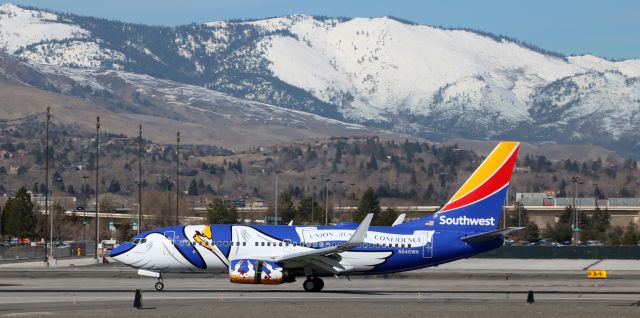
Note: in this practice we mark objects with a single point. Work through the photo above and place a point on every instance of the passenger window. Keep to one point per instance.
(409, 245)
(225, 243)
(244, 243)
(262, 244)
(402, 245)
(256, 243)
(280, 244)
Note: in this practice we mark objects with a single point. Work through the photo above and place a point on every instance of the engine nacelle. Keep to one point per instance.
(252, 271)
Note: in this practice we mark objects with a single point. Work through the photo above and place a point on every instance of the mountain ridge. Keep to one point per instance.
(422, 80)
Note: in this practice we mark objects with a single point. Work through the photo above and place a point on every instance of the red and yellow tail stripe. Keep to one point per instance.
(492, 175)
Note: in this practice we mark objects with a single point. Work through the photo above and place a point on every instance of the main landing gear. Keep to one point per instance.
(313, 284)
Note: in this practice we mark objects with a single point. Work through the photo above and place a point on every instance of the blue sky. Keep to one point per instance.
(604, 28)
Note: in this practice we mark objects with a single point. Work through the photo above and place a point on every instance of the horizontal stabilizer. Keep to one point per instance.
(488, 236)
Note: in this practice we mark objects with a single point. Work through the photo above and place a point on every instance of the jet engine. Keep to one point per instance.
(252, 271)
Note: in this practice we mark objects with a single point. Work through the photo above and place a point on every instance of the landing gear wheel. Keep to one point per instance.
(309, 285)
(159, 286)
(319, 284)
(314, 284)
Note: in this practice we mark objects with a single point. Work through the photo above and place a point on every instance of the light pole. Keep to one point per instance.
(84, 212)
(326, 205)
(351, 210)
(313, 194)
(321, 189)
(177, 176)
(165, 215)
(576, 216)
(341, 182)
(596, 194)
(46, 190)
(139, 178)
(276, 202)
(97, 185)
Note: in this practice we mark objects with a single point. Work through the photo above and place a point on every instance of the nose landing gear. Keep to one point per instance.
(313, 284)
(159, 285)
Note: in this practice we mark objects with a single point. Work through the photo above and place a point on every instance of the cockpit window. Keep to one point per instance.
(137, 241)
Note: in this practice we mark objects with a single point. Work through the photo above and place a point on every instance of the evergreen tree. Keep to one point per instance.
(373, 163)
(221, 212)
(615, 236)
(18, 217)
(285, 207)
(562, 230)
(193, 188)
(630, 236)
(368, 204)
(385, 218)
(305, 212)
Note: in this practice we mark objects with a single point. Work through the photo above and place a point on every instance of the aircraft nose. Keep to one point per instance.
(119, 253)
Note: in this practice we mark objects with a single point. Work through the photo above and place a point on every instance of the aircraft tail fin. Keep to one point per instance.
(477, 205)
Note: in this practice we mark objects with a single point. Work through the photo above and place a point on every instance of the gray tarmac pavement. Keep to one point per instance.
(471, 290)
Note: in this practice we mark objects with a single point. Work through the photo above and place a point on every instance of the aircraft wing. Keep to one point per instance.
(487, 236)
(327, 258)
(356, 239)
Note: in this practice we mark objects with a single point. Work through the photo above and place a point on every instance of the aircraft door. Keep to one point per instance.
(427, 249)
(170, 246)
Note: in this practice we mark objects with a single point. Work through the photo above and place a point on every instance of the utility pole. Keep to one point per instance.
(139, 178)
(321, 189)
(326, 203)
(275, 220)
(46, 190)
(177, 176)
(97, 185)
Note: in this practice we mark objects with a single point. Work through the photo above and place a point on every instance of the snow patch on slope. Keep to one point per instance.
(20, 28)
(73, 53)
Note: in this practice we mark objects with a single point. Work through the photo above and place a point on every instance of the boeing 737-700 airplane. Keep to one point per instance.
(274, 254)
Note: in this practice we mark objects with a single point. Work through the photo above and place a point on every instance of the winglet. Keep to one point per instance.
(399, 220)
(360, 234)
(290, 223)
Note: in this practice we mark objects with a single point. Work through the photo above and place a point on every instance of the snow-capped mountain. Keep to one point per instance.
(428, 81)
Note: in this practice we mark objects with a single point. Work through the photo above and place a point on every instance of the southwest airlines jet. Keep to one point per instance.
(274, 254)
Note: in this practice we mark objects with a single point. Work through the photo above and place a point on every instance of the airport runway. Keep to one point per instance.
(108, 291)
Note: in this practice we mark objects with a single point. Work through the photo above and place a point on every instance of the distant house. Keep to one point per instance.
(13, 170)
(122, 141)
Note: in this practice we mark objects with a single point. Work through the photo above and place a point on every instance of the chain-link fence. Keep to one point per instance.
(566, 252)
(25, 252)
